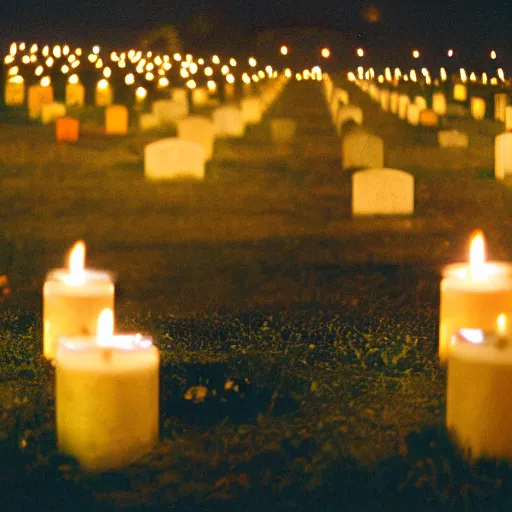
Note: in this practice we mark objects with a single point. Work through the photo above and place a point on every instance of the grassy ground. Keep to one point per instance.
(313, 334)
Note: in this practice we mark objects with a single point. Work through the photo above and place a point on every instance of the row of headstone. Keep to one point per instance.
(187, 154)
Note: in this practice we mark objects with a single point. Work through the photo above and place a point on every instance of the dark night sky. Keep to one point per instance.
(472, 25)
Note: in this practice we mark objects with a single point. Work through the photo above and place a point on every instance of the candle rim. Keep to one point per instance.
(90, 275)
(135, 342)
(462, 270)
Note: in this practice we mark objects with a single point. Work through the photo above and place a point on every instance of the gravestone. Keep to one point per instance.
(393, 102)
(460, 92)
(452, 139)
(502, 155)
(50, 112)
(477, 108)
(420, 102)
(508, 119)
(200, 130)
(428, 118)
(403, 103)
(360, 149)
(169, 111)
(37, 97)
(439, 103)
(228, 122)
(500, 106)
(348, 113)
(200, 96)
(14, 94)
(116, 120)
(283, 130)
(384, 100)
(413, 114)
(251, 110)
(148, 122)
(66, 129)
(75, 95)
(103, 96)
(382, 192)
(173, 158)
(179, 95)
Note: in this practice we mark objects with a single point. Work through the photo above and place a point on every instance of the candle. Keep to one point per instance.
(473, 295)
(72, 300)
(479, 393)
(106, 397)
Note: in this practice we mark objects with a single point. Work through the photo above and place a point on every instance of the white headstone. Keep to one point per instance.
(283, 130)
(420, 102)
(169, 111)
(180, 95)
(200, 96)
(439, 103)
(348, 113)
(477, 108)
(508, 119)
(393, 102)
(360, 149)
(228, 122)
(452, 139)
(502, 155)
(148, 122)
(251, 110)
(500, 105)
(382, 192)
(384, 100)
(413, 114)
(403, 103)
(460, 92)
(172, 158)
(200, 130)
(52, 111)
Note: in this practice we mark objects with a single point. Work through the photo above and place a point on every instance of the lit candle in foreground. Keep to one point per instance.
(106, 397)
(473, 295)
(479, 393)
(72, 300)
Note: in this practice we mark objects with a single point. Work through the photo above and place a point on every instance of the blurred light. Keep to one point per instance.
(224, 69)
(184, 73)
(200, 62)
(493, 55)
(57, 52)
(191, 84)
(193, 68)
(443, 74)
(450, 53)
(13, 49)
(96, 50)
(129, 79)
(107, 72)
(283, 50)
(26, 59)
(176, 57)
(65, 50)
(73, 79)
(33, 48)
(99, 64)
(230, 79)
(92, 58)
(484, 78)
(149, 76)
(102, 84)
(501, 74)
(75, 64)
(472, 77)
(232, 62)
(163, 82)
(49, 62)
(65, 69)
(351, 77)
(39, 70)
(246, 79)
(212, 86)
(46, 51)
(416, 54)
(494, 81)
(13, 71)
(288, 73)
(360, 52)
(141, 93)
(252, 62)
(298, 77)
(326, 53)
(46, 81)
(208, 71)
(215, 59)
(463, 75)
(78, 51)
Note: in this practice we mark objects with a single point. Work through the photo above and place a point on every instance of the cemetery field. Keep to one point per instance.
(298, 344)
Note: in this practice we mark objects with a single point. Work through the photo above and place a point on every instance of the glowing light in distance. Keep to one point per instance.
(416, 54)
(208, 71)
(232, 62)
(57, 52)
(73, 79)
(163, 82)
(215, 59)
(252, 62)
(46, 81)
(141, 93)
(230, 79)
(212, 86)
(493, 55)
(450, 53)
(107, 72)
(360, 52)
(176, 57)
(96, 50)
(325, 53)
(184, 73)
(149, 76)
(283, 50)
(39, 70)
(191, 84)
(65, 69)
(102, 84)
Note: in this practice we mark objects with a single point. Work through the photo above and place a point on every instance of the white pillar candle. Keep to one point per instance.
(73, 298)
(473, 295)
(479, 393)
(107, 399)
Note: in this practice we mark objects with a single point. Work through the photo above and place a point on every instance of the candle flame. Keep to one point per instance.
(501, 324)
(77, 258)
(477, 255)
(105, 328)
